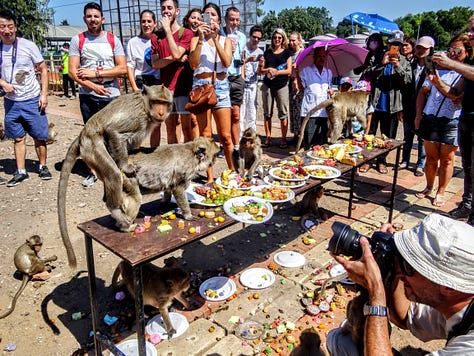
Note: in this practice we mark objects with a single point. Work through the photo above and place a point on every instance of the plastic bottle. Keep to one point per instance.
(280, 67)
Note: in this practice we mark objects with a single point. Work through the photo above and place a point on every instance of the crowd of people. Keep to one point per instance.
(431, 93)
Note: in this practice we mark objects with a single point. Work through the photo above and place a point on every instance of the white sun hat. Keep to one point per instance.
(442, 250)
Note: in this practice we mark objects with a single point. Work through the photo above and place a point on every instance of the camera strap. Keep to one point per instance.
(14, 50)
(466, 324)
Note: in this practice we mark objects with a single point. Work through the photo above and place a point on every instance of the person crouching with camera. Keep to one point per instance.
(432, 294)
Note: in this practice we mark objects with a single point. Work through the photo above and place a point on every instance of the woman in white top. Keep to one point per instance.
(139, 66)
(206, 49)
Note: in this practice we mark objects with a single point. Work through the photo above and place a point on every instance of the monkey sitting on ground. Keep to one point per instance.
(103, 145)
(249, 155)
(310, 203)
(170, 169)
(340, 108)
(28, 262)
(310, 344)
(160, 286)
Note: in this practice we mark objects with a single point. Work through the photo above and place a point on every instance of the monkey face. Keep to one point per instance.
(160, 101)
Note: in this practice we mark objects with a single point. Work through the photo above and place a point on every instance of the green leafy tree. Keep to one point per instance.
(33, 16)
(260, 12)
(64, 23)
(269, 23)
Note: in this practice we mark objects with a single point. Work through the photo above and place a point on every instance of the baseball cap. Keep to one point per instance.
(442, 250)
(426, 42)
(363, 85)
(396, 37)
(345, 80)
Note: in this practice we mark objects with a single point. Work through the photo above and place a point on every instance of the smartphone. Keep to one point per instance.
(430, 66)
(206, 17)
(393, 51)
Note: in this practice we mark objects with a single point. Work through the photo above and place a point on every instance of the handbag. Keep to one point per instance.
(203, 97)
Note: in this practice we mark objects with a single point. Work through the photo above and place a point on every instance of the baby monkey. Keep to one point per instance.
(310, 344)
(160, 287)
(28, 262)
(249, 155)
(310, 203)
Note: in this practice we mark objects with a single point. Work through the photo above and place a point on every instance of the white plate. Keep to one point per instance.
(337, 270)
(272, 173)
(223, 286)
(195, 198)
(289, 259)
(233, 184)
(357, 149)
(314, 154)
(130, 348)
(289, 195)
(331, 171)
(284, 183)
(246, 217)
(157, 326)
(257, 278)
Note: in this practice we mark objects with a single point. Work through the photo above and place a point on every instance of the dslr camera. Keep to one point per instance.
(238, 63)
(346, 241)
(2, 92)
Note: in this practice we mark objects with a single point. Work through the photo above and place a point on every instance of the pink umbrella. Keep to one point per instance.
(343, 56)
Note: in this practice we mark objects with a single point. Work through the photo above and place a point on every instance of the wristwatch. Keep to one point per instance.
(97, 74)
(375, 310)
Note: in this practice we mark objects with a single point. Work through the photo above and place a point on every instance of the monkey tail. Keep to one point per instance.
(10, 310)
(68, 163)
(322, 105)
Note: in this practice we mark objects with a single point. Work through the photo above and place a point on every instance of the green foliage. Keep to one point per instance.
(64, 22)
(309, 21)
(33, 16)
(260, 12)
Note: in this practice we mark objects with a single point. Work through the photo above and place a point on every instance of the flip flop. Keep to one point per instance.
(364, 168)
(382, 168)
(424, 193)
(439, 201)
(419, 172)
(283, 145)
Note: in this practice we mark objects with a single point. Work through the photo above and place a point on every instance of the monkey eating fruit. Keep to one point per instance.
(249, 155)
(28, 262)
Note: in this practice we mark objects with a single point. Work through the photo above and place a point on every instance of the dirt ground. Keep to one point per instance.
(42, 321)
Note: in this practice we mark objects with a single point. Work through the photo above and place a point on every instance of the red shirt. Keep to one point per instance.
(174, 72)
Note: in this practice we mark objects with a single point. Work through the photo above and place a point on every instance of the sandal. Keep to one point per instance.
(267, 143)
(382, 168)
(283, 145)
(364, 168)
(403, 165)
(424, 193)
(419, 172)
(438, 201)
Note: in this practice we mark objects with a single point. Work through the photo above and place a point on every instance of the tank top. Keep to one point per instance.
(206, 61)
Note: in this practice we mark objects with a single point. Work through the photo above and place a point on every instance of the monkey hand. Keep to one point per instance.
(130, 170)
(189, 216)
(170, 333)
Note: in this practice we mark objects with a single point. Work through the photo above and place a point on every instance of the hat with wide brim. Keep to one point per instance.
(442, 250)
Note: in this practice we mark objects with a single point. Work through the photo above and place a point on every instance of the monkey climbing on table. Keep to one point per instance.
(28, 262)
(249, 154)
(103, 144)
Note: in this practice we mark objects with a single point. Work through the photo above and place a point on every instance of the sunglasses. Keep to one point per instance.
(277, 37)
(405, 267)
(455, 51)
(256, 38)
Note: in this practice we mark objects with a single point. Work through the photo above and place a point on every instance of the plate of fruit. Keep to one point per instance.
(273, 194)
(348, 147)
(210, 194)
(289, 173)
(249, 210)
(284, 183)
(322, 172)
(229, 179)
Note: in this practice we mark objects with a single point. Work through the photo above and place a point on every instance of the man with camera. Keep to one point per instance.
(432, 293)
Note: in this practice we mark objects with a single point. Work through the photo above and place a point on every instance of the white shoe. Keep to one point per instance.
(89, 181)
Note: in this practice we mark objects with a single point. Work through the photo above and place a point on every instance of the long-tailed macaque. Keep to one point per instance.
(160, 286)
(28, 262)
(310, 202)
(310, 344)
(249, 155)
(340, 109)
(103, 145)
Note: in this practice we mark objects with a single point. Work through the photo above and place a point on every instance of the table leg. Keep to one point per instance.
(92, 292)
(139, 311)
(351, 192)
(394, 184)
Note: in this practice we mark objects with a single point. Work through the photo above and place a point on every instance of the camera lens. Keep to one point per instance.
(345, 241)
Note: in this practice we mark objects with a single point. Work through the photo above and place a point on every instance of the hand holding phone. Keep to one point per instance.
(430, 66)
(393, 51)
(206, 18)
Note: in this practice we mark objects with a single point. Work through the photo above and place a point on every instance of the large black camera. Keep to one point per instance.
(2, 92)
(346, 241)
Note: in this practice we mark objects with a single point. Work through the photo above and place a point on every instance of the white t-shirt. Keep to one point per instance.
(251, 67)
(435, 101)
(316, 86)
(97, 54)
(139, 56)
(206, 62)
(24, 77)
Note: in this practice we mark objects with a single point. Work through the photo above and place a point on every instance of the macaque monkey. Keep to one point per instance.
(28, 262)
(103, 145)
(170, 169)
(51, 133)
(160, 286)
(310, 202)
(340, 108)
(249, 155)
(310, 344)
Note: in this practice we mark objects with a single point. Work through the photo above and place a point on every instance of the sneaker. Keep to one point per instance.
(44, 173)
(17, 179)
(461, 212)
(3, 180)
(220, 154)
(89, 181)
(72, 97)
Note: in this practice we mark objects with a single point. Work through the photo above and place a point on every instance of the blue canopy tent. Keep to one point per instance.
(373, 22)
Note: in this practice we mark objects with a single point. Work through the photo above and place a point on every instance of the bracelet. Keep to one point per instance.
(97, 74)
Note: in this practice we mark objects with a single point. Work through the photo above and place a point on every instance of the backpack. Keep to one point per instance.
(110, 39)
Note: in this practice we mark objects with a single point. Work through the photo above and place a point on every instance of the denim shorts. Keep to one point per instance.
(440, 129)
(24, 117)
(178, 105)
(222, 91)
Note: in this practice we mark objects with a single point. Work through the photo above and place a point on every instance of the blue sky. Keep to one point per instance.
(72, 9)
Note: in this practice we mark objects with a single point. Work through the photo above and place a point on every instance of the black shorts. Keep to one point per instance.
(237, 84)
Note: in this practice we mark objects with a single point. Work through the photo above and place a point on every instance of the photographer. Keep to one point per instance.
(432, 294)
